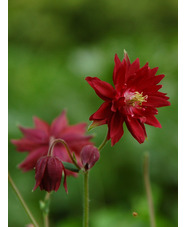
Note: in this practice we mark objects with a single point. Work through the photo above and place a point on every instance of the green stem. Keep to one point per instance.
(54, 142)
(45, 214)
(148, 190)
(22, 201)
(102, 144)
(86, 200)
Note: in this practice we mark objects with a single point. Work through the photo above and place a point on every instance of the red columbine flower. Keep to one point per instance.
(36, 141)
(89, 156)
(48, 175)
(133, 100)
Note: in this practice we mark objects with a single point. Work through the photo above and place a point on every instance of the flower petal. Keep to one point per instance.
(24, 144)
(136, 128)
(115, 128)
(103, 112)
(103, 89)
(40, 169)
(54, 170)
(35, 135)
(40, 124)
(59, 124)
(156, 101)
(151, 120)
(32, 158)
(78, 128)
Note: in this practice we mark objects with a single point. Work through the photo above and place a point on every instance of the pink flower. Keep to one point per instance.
(89, 156)
(48, 175)
(36, 141)
(134, 100)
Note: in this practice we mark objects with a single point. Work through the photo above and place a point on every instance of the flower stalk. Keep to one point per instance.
(86, 190)
(86, 200)
(46, 213)
(102, 144)
(22, 201)
(148, 190)
(50, 150)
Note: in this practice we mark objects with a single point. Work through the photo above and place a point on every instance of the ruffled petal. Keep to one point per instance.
(76, 142)
(119, 71)
(40, 170)
(24, 144)
(34, 135)
(151, 120)
(103, 89)
(42, 125)
(103, 112)
(58, 125)
(136, 128)
(115, 128)
(78, 128)
(32, 158)
(156, 101)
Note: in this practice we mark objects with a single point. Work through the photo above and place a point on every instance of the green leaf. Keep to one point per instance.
(70, 167)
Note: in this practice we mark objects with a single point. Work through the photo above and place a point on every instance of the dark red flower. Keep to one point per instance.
(134, 100)
(48, 174)
(89, 156)
(36, 141)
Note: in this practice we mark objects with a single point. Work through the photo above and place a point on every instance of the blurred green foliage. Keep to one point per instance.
(53, 45)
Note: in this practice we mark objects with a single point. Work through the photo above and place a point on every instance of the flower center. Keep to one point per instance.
(135, 98)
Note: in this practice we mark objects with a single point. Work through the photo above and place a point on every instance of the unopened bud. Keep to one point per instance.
(89, 156)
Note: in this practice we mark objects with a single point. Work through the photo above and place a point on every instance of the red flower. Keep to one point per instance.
(89, 156)
(133, 100)
(49, 173)
(36, 141)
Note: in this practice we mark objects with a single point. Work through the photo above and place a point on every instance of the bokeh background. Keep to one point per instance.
(53, 45)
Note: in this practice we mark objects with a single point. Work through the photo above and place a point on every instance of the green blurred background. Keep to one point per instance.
(53, 45)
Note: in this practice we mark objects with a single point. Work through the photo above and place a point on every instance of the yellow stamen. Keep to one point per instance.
(136, 99)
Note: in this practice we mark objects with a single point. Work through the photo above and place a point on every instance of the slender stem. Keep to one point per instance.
(45, 215)
(86, 200)
(54, 142)
(22, 201)
(102, 144)
(148, 190)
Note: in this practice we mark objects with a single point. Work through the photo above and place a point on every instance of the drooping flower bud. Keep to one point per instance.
(48, 174)
(89, 156)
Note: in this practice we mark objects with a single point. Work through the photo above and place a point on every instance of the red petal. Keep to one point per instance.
(156, 101)
(134, 67)
(40, 169)
(24, 144)
(40, 124)
(151, 120)
(76, 142)
(136, 129)
(59, 124)
(154, 88)
(152, 72)
(103, 89)
(35, 135)
(116, 128)
(54, 170)
(32, 158)
(150, 82)
(102, 113)
(78, 128)
(61, 153)
(116, 68)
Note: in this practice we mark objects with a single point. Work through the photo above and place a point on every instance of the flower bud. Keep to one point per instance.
(89, 156)
(48, 174)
